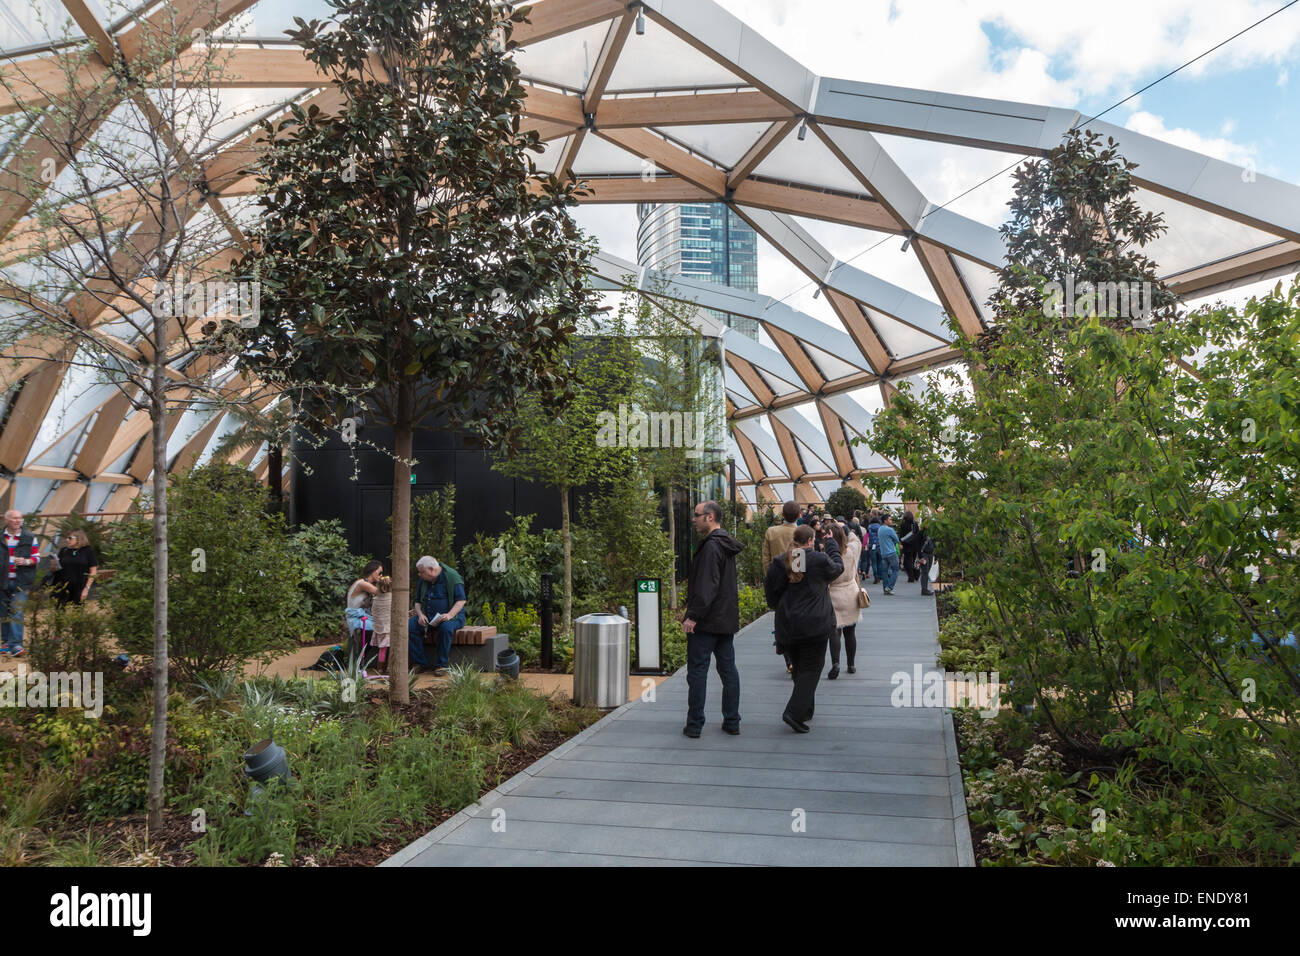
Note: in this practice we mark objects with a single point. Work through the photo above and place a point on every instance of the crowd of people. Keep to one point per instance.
(816, 572)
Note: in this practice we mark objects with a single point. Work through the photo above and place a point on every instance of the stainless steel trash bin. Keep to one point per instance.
(601, 660)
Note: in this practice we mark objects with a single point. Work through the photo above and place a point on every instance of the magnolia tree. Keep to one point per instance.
(408, 244)
(1120, 489)
(117, 247)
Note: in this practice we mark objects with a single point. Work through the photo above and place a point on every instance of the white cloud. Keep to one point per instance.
(1218, 147)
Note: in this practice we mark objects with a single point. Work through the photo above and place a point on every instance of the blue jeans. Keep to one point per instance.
(877, 565)
(441, 648)
(699, 648)
(889, 565)
(12, 600)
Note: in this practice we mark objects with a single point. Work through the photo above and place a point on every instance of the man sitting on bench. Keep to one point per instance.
(439, 608)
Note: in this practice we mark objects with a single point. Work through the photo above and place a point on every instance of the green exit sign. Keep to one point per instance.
(648, 587)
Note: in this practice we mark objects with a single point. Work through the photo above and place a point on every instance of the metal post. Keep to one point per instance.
(735, 513)
(546, 622)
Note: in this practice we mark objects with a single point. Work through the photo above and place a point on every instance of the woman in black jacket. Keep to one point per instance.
(74, 569)
(796, 586)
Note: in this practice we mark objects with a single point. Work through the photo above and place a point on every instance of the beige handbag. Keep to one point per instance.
(864, 599)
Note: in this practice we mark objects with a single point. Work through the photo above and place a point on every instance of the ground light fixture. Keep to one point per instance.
(265, 762)
(508, 664)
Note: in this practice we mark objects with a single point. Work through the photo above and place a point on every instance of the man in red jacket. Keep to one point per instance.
(711, 619)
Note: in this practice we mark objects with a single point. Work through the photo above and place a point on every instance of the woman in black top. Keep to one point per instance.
(75, 569)
(796, 587)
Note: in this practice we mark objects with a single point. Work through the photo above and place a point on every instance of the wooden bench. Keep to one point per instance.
(473, 635)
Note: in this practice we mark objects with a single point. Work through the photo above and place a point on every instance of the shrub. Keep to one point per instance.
(522, 625)
(328, 569)
(519, 584)
(69, 638)
(753, 604)
(233, 589)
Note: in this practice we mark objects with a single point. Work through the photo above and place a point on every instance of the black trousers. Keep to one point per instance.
(910, 554)
(808, 657)
(850, 634)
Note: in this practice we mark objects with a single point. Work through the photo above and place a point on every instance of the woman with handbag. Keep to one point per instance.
(796, 587)
(846, 598)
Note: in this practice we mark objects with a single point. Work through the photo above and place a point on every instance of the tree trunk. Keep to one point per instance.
(403, 442)
(158, 420)
(567, 539)
(274, 475)
(672, 545)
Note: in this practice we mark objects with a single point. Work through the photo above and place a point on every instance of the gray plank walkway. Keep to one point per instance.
(872, 784)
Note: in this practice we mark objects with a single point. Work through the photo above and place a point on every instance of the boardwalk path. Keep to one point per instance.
(876, 785)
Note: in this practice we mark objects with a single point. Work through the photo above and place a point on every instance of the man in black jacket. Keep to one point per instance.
(927, 559)
(711, 620)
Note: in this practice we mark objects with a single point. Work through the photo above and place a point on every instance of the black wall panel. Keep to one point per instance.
(364, 502)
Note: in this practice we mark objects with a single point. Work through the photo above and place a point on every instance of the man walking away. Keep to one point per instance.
(889, 548)
(776, 539)
(873, 548)
(711, 620)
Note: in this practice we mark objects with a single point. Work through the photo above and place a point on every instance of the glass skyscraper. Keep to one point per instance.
(704, 241)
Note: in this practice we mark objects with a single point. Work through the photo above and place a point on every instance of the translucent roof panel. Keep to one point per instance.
(808, 162)
(778, 385)
(270, 18)
(826, 488)
(598, 156)
(943, 172)
(725, 144)
(98, 494)
(783, 490)
(192, 421)
(120, 464)
(830, 366)
(29, 493)
(26, 23)
(657, 60)
(565, 61)
(980, 281)
(63, 451)
(901, 340)
(205, 117)
(549, 157)
(1196, 237)
(121, 143)
(79, 395)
